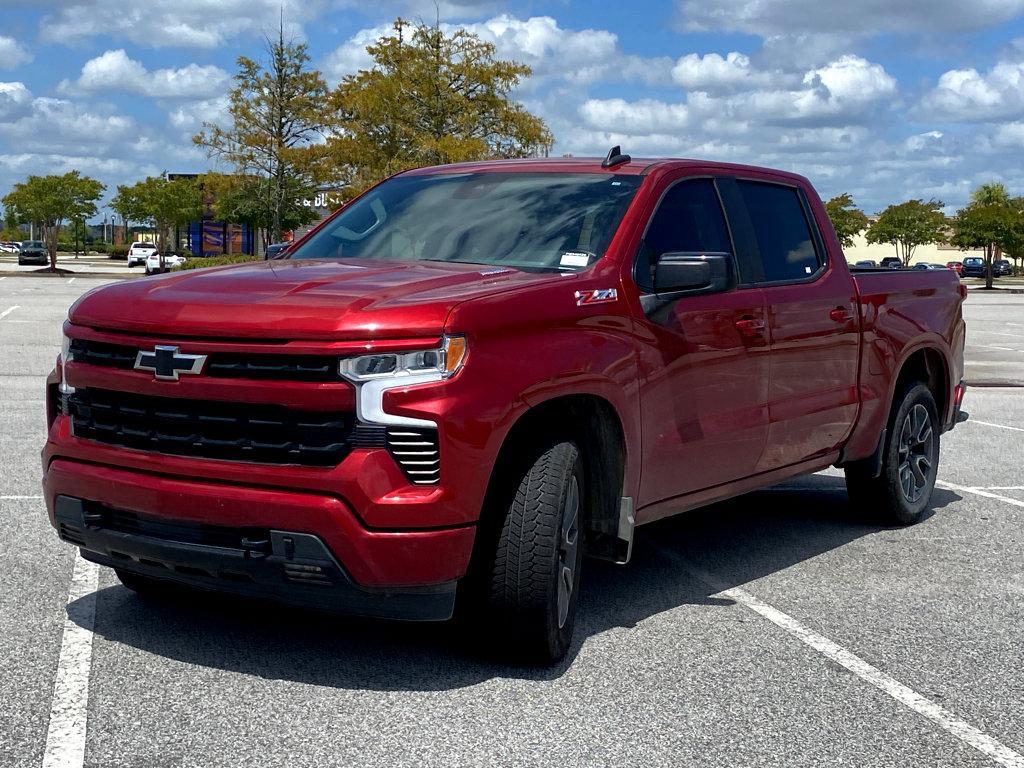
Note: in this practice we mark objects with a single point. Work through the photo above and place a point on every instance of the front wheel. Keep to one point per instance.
(534, 582)
(910, 462)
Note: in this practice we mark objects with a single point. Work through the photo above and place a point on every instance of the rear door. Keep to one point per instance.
(813, 326)
(705, 384)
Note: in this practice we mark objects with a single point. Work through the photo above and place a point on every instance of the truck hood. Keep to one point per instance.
(301, 299)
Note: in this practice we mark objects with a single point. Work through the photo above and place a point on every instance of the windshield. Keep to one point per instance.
(974, 260)
(528, 220)
(32, 244)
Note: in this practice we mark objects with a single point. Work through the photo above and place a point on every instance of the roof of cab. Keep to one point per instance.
(635, 166)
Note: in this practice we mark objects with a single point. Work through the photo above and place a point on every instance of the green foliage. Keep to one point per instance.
(246, 199)
(994, 222)
(161, 203)
(990, 194)
(847, 219)
(909, 225)
(429, 98)
(276, 114)
(217, 261)
(50, 201)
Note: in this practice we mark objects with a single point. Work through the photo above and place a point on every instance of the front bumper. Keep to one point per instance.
(287, 566)
(374, 568)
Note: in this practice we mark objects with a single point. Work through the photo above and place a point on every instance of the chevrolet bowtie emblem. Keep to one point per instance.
(167, 362)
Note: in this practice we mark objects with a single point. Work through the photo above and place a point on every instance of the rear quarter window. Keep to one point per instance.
(783, 234)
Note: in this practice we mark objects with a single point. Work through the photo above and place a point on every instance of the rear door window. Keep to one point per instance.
(784, 238)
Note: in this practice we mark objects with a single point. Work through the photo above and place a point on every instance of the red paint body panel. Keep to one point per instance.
(719, 395)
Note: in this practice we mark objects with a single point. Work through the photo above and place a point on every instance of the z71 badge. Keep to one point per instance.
(596, 296)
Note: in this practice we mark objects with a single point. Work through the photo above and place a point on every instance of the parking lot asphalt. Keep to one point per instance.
(676, 660)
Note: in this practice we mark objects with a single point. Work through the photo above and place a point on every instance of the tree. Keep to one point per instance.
(162, 203)
(245, 199)
(11, 227)
(275, 120)
(991, 225)
(430, 97)
(909, 225)
(847, 219)
(990, 194)
(50, 201)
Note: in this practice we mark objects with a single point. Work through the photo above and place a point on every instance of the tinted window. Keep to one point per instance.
(549, 221)
(690, 219)
(781, 230)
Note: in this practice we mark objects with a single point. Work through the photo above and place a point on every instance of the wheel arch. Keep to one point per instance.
(594, 424)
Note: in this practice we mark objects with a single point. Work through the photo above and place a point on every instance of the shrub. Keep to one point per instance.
(217, 261)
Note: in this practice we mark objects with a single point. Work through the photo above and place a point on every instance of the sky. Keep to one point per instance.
(884, 99)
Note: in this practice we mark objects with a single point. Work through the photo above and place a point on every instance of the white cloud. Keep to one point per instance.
(789, 17)
(553, 52)
(15, 101)
(13, 53)
(185, 23)
(712, 73)
(970, 96)
(114, 70)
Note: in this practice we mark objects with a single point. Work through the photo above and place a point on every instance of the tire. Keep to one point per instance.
(533, 585)
(910, 462)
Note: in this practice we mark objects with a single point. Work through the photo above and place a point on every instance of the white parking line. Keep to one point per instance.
(71, 280)
(69, 709)
(21, 496)
(8, 311)
(903, 694)
(979, 492)
(993, 424)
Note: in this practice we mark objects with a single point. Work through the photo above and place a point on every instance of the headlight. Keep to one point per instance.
(441, 362)
(373, 375)
(65, 356)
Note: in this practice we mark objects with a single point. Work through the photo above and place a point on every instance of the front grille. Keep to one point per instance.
(417, 452)
(214, 429)
(281, 367)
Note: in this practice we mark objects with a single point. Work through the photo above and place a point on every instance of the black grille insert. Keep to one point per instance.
(214, 429)
(281, 367)
(194, 533)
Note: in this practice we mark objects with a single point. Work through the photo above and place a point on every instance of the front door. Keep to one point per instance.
(704, 390)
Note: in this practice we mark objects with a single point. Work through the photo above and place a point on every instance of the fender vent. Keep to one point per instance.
(417, 452)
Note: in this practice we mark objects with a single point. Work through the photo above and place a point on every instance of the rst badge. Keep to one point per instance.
(168, 362)
(596, 296)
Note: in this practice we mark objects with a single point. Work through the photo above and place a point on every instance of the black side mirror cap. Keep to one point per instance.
(693, 273)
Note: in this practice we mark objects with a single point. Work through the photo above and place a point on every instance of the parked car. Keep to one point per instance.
(154, 266)
(958, 266)
(923, 266)
(441, 395)
(892, 263)
(973, 267)
(9, 247)
(1002, 267)
(274, 250)
(139, 252)
(33, 252)
(865, 264)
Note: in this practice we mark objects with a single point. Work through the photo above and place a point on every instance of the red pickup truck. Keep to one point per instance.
(471, 376)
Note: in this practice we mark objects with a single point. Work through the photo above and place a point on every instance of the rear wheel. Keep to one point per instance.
(910, 461)
(534, 581)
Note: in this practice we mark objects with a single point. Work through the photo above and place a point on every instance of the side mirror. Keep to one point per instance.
(709, 273)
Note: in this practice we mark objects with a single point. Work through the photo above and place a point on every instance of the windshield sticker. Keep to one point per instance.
(596, 296)
(575, 259)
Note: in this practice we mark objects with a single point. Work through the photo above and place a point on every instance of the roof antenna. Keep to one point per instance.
(615, 157)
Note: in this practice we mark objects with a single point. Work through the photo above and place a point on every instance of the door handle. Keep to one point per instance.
(750, 327)
(840, 314)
